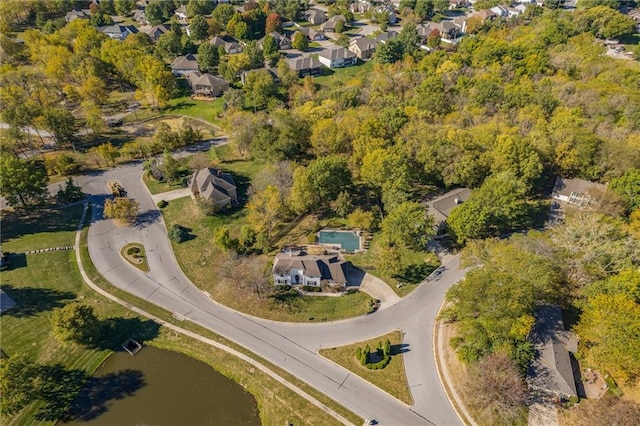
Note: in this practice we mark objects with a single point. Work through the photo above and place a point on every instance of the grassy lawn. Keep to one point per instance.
(391, 379)
(204, 110)
(39, 229)
(347, 75)
(157, 187)
(50, 280)
(201, 260)
(417, 266)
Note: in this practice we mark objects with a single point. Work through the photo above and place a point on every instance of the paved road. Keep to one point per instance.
(292, 347)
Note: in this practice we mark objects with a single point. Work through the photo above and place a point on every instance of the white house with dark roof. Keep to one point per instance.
(337, 57)
(551, 370)
(183, 64)
(118, 32)
(215, 185)
(299, 268)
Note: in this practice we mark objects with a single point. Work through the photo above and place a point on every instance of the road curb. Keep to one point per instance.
(193, 335)
(443, 373)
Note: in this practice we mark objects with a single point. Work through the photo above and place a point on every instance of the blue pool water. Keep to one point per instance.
(348, 240)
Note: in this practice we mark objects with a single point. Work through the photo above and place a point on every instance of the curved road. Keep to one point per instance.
(291, 346)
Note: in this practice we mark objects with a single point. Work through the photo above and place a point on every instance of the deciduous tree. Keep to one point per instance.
(76, 323)
(24, 183)
(122, 209)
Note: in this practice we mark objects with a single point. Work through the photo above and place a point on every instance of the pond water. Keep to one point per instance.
(158, 387)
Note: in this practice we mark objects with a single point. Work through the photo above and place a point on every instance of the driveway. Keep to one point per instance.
(171, 195)
(291, 346)
(380, 290)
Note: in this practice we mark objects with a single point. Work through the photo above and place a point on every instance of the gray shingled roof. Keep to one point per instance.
(551, 370)
(327, 267)
(440, 208)
(337, 52)
(303, 63)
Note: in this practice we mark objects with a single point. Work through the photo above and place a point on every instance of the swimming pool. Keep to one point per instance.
(348, 240)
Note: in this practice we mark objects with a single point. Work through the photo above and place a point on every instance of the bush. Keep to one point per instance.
(133, 250)
(162, 204)
(282, 287)
(311, 288)
(177, 234)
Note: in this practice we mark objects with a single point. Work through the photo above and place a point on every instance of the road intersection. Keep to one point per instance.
(291, 346)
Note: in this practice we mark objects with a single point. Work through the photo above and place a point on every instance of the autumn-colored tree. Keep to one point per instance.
(121, 209)
(265, 211)
(274, 23)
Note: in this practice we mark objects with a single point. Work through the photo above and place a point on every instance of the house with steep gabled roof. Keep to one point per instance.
(330, 25)
(206, 84)
(228, 43)
(363, 47)
(312, 34)
(552, 370)
(215, 185)
(184, 64)
(157, 31)
(295, 267)
(384, 37)
(118, 32)
(77, 14)
(181, 12)
(316, 17)
(282, 41)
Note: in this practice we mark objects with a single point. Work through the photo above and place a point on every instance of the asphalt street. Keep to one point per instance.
(291, 346)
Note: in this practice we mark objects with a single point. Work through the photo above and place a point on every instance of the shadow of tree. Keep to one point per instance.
(414, 274)
(93, 399)
(146, 218)
(59, 387)
(399, 349)
(16, 224)
(31, 301)
(115, 331)
(17, 260)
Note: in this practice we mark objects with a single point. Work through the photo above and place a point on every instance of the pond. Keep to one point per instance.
(158, 387)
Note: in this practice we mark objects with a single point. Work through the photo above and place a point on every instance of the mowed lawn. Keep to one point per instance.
(24, 231)
(391, 379)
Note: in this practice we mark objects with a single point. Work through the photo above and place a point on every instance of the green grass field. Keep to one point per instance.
(391, 379)
(348, 75)
(39, 229)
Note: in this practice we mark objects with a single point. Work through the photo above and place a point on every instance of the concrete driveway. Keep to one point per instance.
(291, 346)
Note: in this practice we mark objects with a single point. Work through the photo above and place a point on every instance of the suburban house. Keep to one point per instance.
(383, 37)
(457, 4)
(215, 185)
(282, 41)
(577, 193)
(77, 14)
(181, 12)
(359, 7)
(330, 25)
(206, 84)
(183, 64)
(441, 207)
(118, 32)
(305, 65)
(337, 57)
(295, 267)
(448, 30)
(552, 371)
(363, 47)
(140, 17)
(157, 31)
(228, 43)
(312, 34)
(316, 17)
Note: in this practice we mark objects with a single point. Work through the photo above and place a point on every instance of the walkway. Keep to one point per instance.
(171, 195)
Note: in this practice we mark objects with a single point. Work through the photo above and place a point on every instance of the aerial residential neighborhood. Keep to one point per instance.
(359, 212)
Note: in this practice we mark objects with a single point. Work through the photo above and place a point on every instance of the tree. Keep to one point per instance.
(18, 383)
(124, 7)
(499, 205)
(170, 167)
(169, 45)
(390, 52)
(343, 205)
(408, 225)
(423, 9)
(362, 219)
(107, 152)
(223, 238)
(200, 160)
(24, 183)
(265, 211)
(200, 7)
(60, 123)
(199, 28)
(628, 187)
(273, 23)
(259, 87)
(498, 390)
(300, 41)
(208, 58)
(121, 209)
(605, 22)
(433, 39)
(75, 323)
(339, 26)
(254, 54)
(608, 331)
(223, 13)
(270, 49)
(154, 12)
(319, 183)
(343, 40)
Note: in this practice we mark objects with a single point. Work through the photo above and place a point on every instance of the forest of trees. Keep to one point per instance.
(504, 112)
